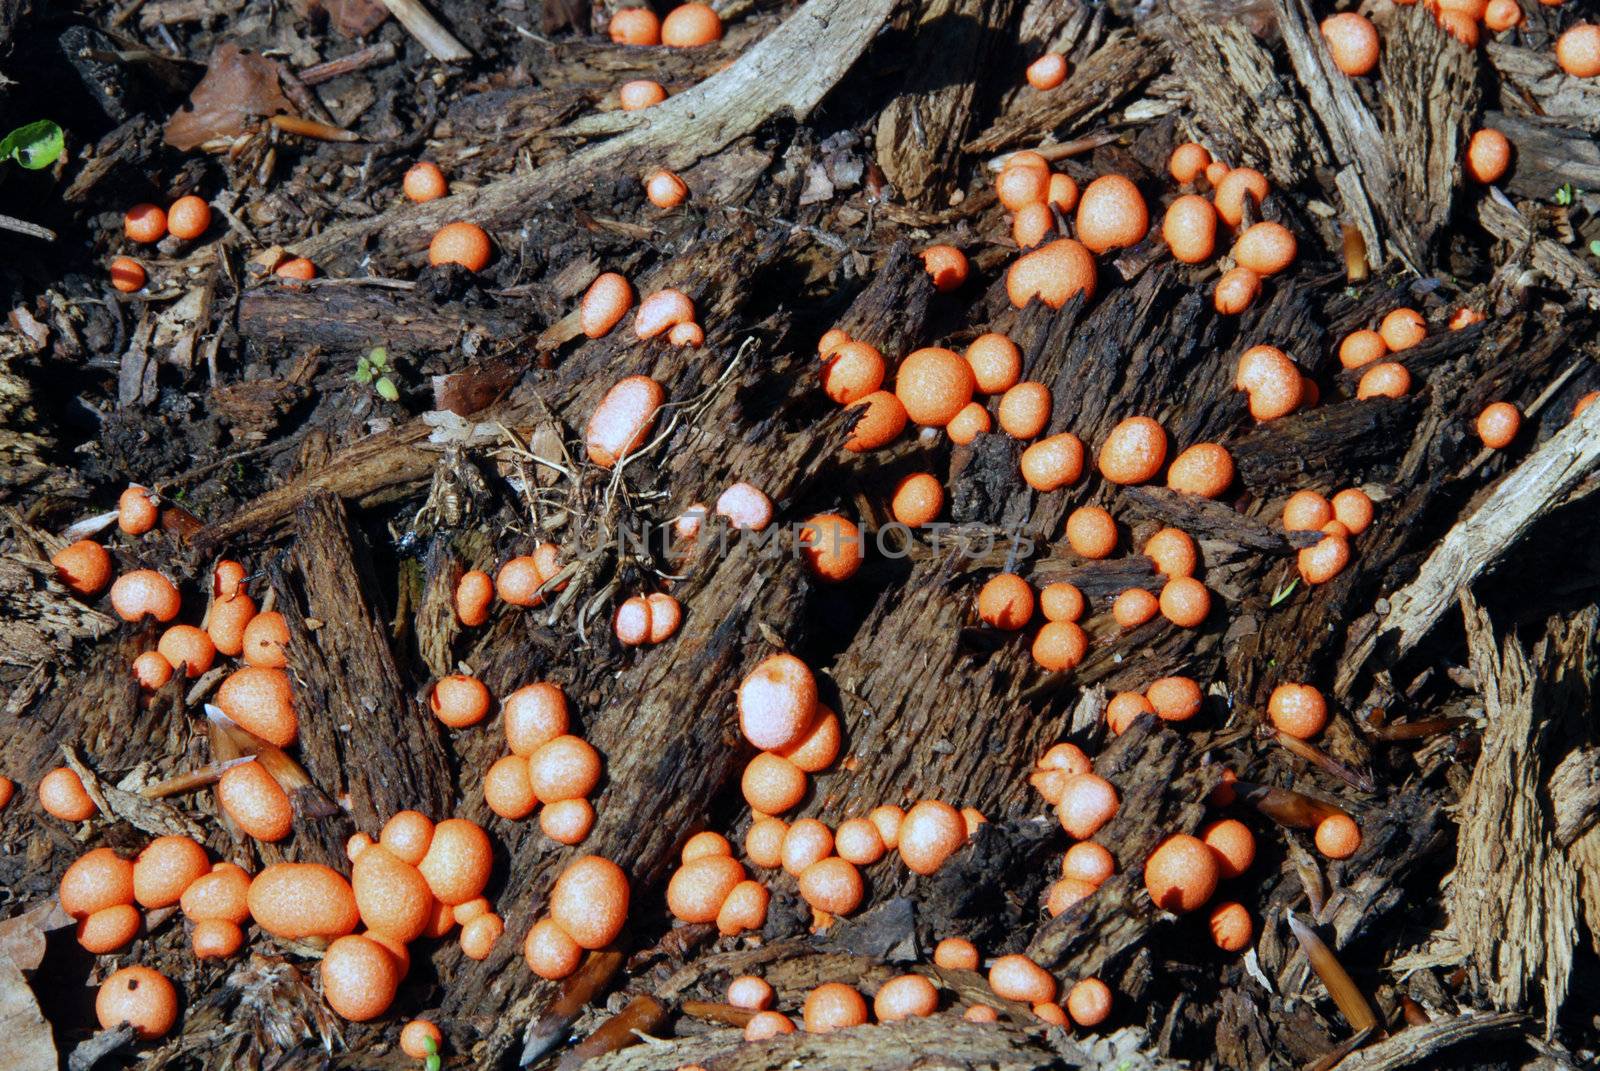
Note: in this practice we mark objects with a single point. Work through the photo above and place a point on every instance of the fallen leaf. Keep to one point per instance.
(22, 938)
(352, 18)
(25, 1041)
(239, 87)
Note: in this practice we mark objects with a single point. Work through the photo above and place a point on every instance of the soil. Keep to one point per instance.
(826, 144)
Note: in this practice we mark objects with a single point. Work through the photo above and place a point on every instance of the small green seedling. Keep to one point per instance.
(35, 146)
(1283, 593)
(1564, 195)
(374, 368)
(432, 1063)
(1594, 247)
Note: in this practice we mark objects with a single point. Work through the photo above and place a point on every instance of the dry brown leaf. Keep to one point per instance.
(239, 86)
(22, 938)
(25, 1041)
(352, 18)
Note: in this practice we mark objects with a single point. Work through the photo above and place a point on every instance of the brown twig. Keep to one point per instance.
(310, 128)
(420, 23)
(1341, 987)
(371, 56)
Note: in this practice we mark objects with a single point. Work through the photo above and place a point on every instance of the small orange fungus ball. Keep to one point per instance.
(265, 640)
(221, 894)
(62, 795)
(882, 421)
(550, 950)
(929, 834)
(216, 939)
(1089, 1002)
(806, 842)
(144, 591)
(1181, 874)
(640, 93)
(956, 954)
(97, 880)
(1185, 602)
(1272, 380)
(1322, 562)
(604, 304)
(1403, 328)
(1388, 379)
(1190, 229)
(858, 841)
(664, 189)
(1124, 708)
(458, 861)
(1025, 410)
(947, 266)
(1006, 602)
(745, 506)
(1498, 425)
(851, 371)
(1361, 348)
(1306, 511)
(832, 885)
(84, 567)
(622, 421)
(1338, 836)
(635, 26)
(1352, 41)
(833, 1006)
(1205, 469)
(1353, 509)
(1236, 291)
(1231, 191)
(996, 363)
(777, 702)
(1173, 552)
(1134, 607)
(144, 223)
(392, 897)
(831, 546)
(423, 181)
(907, 997)
(359, 978)
(1088, 801)
(300, 900)
(1033, 225)
(817, 749)
(565, 768)
(1048, 71)
(1578, 50)
(1061, 601)
(127, 275)
(1059, 646)
(420, 1039)
(140, 997)
(763, 843)
(465, 244)
(1021, 185)
(1053, 273)
(590, 901)
(767, 1024)
(1234, 844)
(153, 670)
(1266, 248)
(772, 784)
(1503, 15)
(1488, 156)
(534, 715)
(1174, 698)
(567, 821)
(1091, 532)
(1016, 977)
(917, 500)
(1188, 162)
(189, 217)
(1053, 462)
(166, 867)
(1231, 926)
(698, 888)
(1298, 710)
(474, 594)
(934, 385)
(136, 511)
(752, 993)
(459, 700)
(1088, 862)
(1134, 451)
(690, 26)
(507, 789)
(1111, 214)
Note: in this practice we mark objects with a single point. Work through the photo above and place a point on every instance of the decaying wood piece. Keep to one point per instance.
(1366, 177)
(1526, 493)
(1536, 85)
(931, 1044)
(1097, 85)
(354, 703)
(819, 43)
(1238, 95)
(360, 317)
(1515, 906)
(1575, 794)
(956, 44)
(42, 619)
(1564, 267)
(1419, 1045)
(1549, 155)
(1430, 100)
